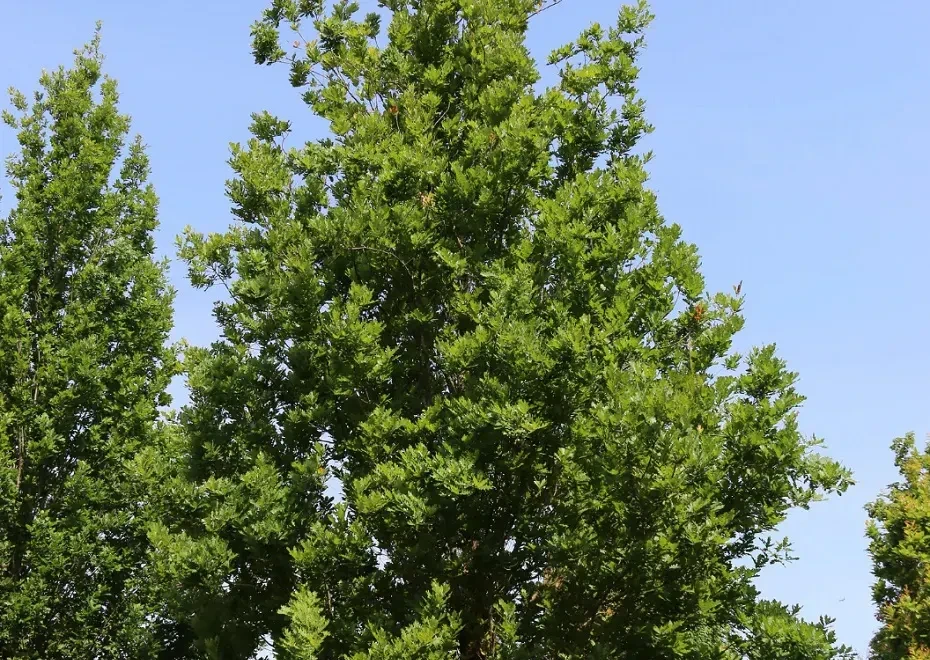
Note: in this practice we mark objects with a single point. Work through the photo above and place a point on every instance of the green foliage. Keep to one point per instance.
(84, 315)
(464, 312)
(773, 632)
(900, 549)
(308, 626)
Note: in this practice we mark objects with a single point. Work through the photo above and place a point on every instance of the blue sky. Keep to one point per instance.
(791, 138)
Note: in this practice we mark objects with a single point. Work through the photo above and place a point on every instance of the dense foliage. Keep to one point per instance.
(900, 549)
(471, 398)
(84, 316)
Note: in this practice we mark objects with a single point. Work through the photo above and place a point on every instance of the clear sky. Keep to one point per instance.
(791, 139)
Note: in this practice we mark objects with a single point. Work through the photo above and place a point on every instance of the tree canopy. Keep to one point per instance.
(471, 398)
(900, 548)
(85, 312)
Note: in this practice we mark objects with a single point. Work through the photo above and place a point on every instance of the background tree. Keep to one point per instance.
(84, 315)
(900, 549)
(471, 399)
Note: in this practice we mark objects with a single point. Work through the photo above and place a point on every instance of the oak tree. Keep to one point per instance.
(472, 398)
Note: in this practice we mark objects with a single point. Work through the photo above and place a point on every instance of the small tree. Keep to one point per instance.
(84, 315)
(900, 549)
(464, 311)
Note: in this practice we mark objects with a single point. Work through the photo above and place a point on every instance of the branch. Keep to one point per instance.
(543, 7)
(387, 252)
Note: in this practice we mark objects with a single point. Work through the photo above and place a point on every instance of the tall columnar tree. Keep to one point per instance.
(85, 312)
(900, 549)
(471, 398)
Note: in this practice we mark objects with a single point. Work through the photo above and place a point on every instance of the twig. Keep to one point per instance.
(20, 463)
(387, 252)
(545, 7)
(221, 279)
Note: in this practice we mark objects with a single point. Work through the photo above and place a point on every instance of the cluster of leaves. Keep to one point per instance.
(470, 400)
(900, 549)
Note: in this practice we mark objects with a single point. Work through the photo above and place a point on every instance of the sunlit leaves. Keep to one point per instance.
(86, 312)
(467, 297)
